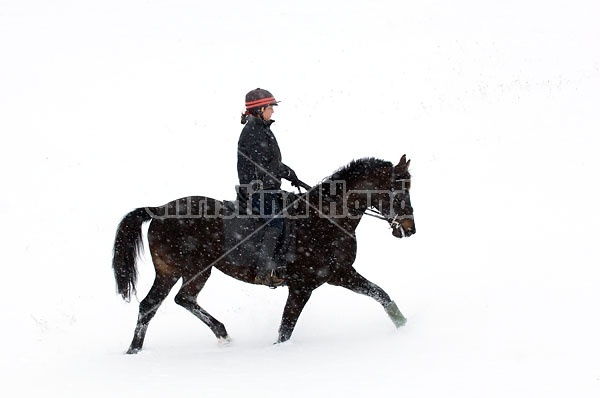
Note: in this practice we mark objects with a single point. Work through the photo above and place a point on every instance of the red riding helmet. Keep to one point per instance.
(259, 98)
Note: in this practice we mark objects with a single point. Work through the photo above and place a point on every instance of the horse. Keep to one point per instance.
(187, 244)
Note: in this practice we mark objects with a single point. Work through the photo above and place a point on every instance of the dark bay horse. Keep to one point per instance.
(184, 246)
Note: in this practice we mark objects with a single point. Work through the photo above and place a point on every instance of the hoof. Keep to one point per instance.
(281, 341)
(399, 322)
(395, 315)
(224, 341)
(132, 351)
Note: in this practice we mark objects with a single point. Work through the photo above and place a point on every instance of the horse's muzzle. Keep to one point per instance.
(403, 228)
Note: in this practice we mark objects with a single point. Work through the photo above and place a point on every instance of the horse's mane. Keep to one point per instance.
(355, 168)
(358, 167)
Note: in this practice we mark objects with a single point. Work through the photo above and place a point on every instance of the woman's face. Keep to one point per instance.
(268, 112)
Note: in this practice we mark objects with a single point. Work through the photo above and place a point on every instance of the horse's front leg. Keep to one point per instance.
(297, 299)
(354, 281)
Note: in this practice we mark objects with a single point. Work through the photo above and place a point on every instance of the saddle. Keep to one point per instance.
(244, 235)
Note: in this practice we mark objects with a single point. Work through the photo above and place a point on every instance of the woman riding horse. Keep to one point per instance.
(260, 171)
(186, 240)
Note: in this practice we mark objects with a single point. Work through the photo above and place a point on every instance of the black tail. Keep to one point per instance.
(128, 245)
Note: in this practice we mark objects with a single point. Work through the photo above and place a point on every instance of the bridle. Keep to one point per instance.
(396, 219)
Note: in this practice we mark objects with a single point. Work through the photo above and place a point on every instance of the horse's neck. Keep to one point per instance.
(350, 224)
(344, 205)
(349, 214)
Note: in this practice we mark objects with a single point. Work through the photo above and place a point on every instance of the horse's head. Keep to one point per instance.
(396, 206)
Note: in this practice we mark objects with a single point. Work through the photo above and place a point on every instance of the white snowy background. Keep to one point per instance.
(110, 105)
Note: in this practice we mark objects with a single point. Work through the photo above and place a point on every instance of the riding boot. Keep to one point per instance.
(266, 273)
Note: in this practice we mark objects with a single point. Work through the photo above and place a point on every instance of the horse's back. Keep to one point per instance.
(189, 207)
(187, 228)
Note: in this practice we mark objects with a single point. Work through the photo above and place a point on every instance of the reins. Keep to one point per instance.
(373, 212)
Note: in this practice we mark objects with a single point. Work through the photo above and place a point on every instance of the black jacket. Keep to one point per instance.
(259, 157)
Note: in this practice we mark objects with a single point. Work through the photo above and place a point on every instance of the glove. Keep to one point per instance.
(293, 178)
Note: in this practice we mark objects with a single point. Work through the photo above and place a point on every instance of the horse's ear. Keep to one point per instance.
(403, 165)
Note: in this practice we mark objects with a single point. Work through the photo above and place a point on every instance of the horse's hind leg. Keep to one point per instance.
(359, 284)
(187, 298)
(160, 289)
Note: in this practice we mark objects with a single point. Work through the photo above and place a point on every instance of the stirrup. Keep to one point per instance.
(271, 280)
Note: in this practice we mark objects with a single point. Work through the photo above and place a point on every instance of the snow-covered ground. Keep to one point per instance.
(108, 106)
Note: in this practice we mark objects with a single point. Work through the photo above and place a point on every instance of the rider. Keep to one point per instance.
(260, 167)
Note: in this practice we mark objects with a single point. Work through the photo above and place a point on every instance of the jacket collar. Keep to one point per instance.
(257, 120)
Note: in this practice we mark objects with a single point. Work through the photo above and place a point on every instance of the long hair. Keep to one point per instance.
(256, 112)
